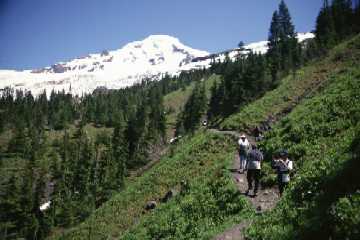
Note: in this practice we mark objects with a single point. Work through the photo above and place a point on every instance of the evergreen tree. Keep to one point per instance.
(42, 226)
(29, 222)
(120, 155)
(157, 120)
(11, 211)
(215, 102)
(325, 29)
(84, 158)
(20, 142)
(356, 19)
(274, 53)
(342, 13)
(135, 137)
(284, 51)
(241, 45)
(194, 108)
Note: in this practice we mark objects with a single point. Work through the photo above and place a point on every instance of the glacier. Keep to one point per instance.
(150, 58)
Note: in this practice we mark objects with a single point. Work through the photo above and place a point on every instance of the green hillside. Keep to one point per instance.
(304, 83)
(159, 159)
(316, 116)
(322, 135)
(317, 113)
(199, 160)
(175, 101)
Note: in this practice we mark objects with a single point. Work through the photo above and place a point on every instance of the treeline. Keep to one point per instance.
(52, 157)
(336, 21)
(250, 75)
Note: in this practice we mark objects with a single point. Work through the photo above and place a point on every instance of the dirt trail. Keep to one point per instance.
(265, 200)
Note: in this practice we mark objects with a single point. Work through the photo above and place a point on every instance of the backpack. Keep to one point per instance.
(255, 155)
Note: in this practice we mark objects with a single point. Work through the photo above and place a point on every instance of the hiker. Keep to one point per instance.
(243, 150)
(284, 166)
(274, 165)
(258, 134)
(253, 165)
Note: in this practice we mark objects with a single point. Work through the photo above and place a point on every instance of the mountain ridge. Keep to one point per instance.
(150, 58)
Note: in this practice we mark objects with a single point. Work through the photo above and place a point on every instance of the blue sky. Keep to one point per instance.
(38, 33)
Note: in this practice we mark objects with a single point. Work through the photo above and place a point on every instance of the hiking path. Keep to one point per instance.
(265, 200)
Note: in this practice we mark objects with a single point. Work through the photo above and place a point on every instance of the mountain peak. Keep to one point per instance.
(149, 58)
(161, 37)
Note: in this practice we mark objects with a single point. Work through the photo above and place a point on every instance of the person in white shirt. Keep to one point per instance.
(284, 166)
(243, 149)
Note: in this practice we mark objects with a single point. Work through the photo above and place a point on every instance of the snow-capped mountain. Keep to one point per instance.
(149, 58)
(256, 47)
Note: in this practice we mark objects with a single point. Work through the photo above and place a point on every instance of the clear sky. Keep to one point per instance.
(38, 33)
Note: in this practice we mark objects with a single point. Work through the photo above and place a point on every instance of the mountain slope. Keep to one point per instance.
(150, 58)
(199, 161)
(305, 83)
(136, 61)
(328, 115)
(322, 134)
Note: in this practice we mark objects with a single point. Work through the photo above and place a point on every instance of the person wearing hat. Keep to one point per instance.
(253, 165)
(243, 150)
(284, 166)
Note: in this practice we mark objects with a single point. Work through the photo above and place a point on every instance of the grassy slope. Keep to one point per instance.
(315, 89)
(90, 129)
(177, 99)
(195, 159)
(324, 98)
(320, 141)
(320, 133)
(305, 83)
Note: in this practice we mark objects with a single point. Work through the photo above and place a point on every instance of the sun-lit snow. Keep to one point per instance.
(149, 58)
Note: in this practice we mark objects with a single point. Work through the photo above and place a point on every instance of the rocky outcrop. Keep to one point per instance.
(60, 68)
(105, 53)
(170, 194)
(108, 59)
(150, 205)
(40, 70)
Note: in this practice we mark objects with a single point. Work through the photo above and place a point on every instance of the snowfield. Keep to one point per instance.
(150, 58)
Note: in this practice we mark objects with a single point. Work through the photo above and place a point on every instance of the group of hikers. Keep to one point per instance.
(251, 159)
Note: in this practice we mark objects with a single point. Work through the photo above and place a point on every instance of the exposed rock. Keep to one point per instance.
(161, 59)
(108, 59)
(187, 60)
(150, 205)
(60, 68)
(82, 66)
(152, 61)
(170, 194)
(199, 59)
(176, 49)
(41, 70)
(105, 53)
(83, 57)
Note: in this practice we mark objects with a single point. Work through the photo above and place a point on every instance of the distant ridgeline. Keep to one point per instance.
(76, 153)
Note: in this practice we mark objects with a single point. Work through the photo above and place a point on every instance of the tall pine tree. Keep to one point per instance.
(284, 51)
(325, 28)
